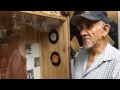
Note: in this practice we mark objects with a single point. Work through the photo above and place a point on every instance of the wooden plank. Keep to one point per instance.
(44, 55)
(50, 71)
(65, 47)
(45, 14)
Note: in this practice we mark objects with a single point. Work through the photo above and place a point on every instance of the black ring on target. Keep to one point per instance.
(56, 54)
(53, 31)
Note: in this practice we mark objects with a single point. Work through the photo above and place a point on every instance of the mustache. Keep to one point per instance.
(86, 37)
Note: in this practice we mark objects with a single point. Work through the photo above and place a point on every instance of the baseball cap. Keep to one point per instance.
(91, 15)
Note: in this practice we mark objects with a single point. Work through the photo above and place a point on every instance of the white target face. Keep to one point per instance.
(53, 36)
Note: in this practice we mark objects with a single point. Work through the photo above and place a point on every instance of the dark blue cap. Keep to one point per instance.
(91, 15)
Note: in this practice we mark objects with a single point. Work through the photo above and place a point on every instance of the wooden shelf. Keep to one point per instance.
(45, 14)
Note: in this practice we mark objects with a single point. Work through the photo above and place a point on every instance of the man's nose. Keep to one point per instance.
(83, 32)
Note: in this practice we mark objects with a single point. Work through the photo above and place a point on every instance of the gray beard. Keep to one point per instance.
(88, 46)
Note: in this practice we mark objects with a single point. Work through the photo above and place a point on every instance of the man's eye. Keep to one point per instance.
(80, 27)
(89, 26)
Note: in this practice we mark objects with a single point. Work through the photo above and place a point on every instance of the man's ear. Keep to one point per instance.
(106, 30)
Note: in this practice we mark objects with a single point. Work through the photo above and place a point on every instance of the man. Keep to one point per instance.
(17, 63)
(98, 59)
(74, 31)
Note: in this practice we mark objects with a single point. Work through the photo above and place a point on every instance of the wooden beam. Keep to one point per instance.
(58, 16)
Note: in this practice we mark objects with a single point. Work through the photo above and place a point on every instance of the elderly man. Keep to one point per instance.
(98, 59)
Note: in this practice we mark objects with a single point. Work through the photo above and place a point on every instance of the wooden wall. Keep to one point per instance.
(26, 34)
(48, 70)
(62, 47)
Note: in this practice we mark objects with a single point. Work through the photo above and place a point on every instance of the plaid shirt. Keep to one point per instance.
(106, 66)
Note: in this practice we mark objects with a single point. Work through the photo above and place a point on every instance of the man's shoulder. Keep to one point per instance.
(115, 50)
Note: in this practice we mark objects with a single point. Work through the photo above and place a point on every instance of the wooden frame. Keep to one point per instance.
(49, 71)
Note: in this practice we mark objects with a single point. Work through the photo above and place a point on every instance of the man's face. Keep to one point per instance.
(91, 32)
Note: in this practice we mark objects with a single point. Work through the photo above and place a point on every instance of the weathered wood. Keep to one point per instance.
(29, 35)
(46, 14)
(50, 71)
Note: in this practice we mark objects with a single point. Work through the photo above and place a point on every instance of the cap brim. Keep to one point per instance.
(76, 19)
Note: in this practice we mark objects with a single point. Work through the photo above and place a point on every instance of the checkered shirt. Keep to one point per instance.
(106, 66)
